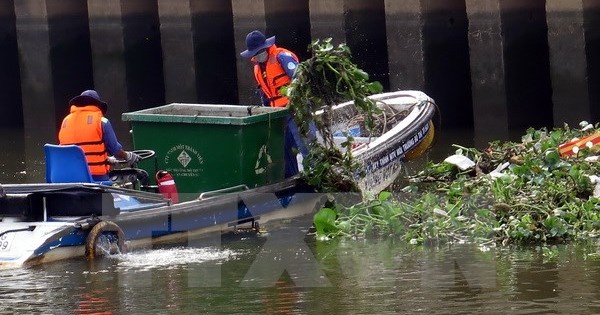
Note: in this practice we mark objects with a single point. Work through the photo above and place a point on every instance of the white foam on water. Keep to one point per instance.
(171, 257)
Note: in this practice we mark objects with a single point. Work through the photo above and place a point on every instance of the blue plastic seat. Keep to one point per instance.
(67, 164)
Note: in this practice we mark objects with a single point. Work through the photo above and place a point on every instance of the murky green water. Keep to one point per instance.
(248, 275)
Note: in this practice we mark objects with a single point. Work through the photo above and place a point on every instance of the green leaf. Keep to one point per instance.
(384, 195)
(375, 87)
(324, 221)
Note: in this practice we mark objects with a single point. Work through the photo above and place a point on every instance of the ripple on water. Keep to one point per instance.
(171, 257)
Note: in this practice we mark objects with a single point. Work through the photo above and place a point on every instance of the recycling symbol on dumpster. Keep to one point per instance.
(263, 156)
(184, 158)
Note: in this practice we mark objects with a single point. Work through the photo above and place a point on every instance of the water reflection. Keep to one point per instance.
(22, 158)
(460, 279)
(365, 277)
(94, 302)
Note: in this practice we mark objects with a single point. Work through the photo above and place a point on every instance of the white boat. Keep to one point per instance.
(404, 131)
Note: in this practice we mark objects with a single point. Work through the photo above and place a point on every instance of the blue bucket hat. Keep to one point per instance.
(255, 41)
(89, 97)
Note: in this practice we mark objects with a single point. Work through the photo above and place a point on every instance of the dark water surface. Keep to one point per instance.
(351, 277)
(278, 273)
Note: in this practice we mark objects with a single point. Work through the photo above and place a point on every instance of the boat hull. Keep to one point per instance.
(383, 157)
(55, 238)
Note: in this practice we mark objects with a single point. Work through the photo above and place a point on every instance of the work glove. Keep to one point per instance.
(111, 160)
(132, 158)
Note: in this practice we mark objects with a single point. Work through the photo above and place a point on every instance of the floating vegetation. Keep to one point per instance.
(326, 79)
(509, 193)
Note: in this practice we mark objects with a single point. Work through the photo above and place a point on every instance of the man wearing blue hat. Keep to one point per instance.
(274, 68)
(87, 127)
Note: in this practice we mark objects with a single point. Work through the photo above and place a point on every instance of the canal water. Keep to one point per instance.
(284, 272)
(338, 277)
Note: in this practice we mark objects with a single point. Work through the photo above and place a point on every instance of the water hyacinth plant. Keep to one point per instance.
(514, 192)
(326, 79)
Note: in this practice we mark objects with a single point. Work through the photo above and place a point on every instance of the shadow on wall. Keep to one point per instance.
(71, 59)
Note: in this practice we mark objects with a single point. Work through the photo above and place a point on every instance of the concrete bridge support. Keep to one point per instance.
(526, 64)
(446, 66)
(54, 59)
(494, 66)
(591, 31)
(404, 27)
(126, 53)
(108, 51)
(215, 51)
(11, 115)
(366, 36)
(248, 15)
(487, 70)
(177, 41)
(199, 57)
(568, 63)
(327, 20)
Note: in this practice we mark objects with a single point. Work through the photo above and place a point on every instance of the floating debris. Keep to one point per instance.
(523, 193)
(326, 79)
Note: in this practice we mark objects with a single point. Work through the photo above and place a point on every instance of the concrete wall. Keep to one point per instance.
(492, 66)
(177, 40)
(487, 70)
(568, 64)
(404, 28)
(10, 79)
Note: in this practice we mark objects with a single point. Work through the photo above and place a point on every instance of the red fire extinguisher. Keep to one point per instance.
(166, 186)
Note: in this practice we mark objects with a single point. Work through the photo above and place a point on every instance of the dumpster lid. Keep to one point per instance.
(206, 114)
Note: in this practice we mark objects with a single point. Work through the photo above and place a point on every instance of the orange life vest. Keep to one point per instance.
(83, 127)
(274, 77)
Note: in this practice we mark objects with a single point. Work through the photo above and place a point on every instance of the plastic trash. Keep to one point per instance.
(498, 171)
(461, 161)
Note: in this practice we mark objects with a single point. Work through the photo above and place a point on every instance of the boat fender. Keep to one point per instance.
(97, 231)
(166, 186)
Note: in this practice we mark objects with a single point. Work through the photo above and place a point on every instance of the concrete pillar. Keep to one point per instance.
(248, 15)
(289, 20)
(33, 33)
(487, 71)
(177, 50)
(327, 20)
(526, 64)
(54, 60)
(568, 64)
(11, 110)
(143, 57)
(53, 43)
(591, 16)
(404, 27)
(70, 52)
(126, 57)
(215, 51)
(366, 37)
(447, 72)
(108, 52)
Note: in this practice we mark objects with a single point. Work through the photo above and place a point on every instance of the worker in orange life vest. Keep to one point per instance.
(87, 127)
(274, 68)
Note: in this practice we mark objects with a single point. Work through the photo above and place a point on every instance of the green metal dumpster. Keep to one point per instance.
(211, 147)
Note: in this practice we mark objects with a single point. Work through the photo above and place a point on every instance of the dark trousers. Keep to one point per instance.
(294, 141)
